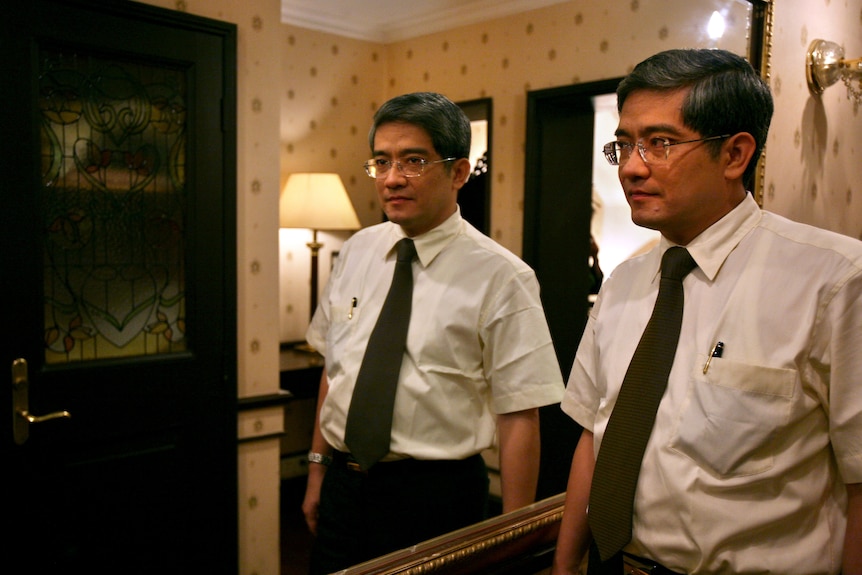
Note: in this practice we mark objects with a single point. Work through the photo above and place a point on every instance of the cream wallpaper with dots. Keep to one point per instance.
(814, 149)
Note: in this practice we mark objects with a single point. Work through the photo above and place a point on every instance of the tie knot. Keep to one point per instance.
(676, 263)
(406, 250)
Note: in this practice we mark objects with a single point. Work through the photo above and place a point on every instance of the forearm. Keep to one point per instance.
(316, 471)
(574, 537)
(852, 560)
(318, 443)
(519, 457)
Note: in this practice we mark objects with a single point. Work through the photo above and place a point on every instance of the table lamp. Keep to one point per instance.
(316, 201)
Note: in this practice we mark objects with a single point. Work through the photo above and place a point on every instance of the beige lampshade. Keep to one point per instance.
(316, 201)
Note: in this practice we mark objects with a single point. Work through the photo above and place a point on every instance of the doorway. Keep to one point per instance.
(474, 197)
(558, 192)
(117, 206)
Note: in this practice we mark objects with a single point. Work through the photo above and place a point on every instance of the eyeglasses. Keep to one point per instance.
(654, 151)
(412, 167)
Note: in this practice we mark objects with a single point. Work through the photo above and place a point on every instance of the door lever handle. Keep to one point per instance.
(40, 418)
(21, 416)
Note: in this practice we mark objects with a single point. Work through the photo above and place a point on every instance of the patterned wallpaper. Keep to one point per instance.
(814, 149)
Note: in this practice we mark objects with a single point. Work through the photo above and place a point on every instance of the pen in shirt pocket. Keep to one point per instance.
(353, 303)
(717, 351)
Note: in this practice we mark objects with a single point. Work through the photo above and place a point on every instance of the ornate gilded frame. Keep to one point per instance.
(760, 53)
(505, 539)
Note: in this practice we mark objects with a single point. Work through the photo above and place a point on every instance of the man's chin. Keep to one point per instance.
(645, 221)
(393, 216)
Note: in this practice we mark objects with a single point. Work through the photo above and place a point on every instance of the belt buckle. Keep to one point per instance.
(633, 566)
(353, 465)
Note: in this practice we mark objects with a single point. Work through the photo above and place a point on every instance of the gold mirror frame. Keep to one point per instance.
(504, 539)
(516, 538)
(760, 54)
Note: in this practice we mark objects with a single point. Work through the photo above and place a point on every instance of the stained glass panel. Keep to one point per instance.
(113, 149)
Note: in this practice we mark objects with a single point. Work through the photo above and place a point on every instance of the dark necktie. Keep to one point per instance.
(369, 420)
(619, 460)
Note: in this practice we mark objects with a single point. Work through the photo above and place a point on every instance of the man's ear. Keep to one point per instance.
(461, 172)
(738, 150)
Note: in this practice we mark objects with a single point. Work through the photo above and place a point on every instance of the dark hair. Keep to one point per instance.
(443, 120)
(727, 95)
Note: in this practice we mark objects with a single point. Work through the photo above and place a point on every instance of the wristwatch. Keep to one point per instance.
(319, 458)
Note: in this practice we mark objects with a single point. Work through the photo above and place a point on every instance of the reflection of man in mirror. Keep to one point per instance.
(476, 365)
(728, 437)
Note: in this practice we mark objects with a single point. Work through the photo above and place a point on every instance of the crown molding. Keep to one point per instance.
(401, 20)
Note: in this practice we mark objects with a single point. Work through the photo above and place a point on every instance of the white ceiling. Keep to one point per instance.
(386, 21)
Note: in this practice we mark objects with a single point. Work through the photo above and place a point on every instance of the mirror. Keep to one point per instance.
(526, 537)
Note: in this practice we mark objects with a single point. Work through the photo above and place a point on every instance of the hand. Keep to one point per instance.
(311, 502)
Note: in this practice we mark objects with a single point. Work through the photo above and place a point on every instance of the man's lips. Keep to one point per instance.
(638, 194)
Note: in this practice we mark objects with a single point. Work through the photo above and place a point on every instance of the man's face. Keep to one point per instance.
(682, 195)
(421, 203)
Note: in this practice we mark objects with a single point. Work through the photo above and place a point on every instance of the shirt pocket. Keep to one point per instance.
(733, 415)
(343, 321)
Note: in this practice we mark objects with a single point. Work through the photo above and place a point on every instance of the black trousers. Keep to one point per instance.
(394, 505)
(616, 565)
(595, 566)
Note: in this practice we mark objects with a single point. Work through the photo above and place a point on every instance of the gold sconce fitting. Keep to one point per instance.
(825, 65)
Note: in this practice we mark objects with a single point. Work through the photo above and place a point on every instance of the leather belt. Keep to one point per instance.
(408, 466)
(346, 460)
(634, 565)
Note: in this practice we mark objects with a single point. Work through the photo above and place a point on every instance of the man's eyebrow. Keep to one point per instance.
(660, 128)
(405, 152)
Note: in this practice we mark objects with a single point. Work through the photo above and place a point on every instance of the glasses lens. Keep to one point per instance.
(616, 152)
(377, 168)
(610, 152)
(411, 169)
(656, 150)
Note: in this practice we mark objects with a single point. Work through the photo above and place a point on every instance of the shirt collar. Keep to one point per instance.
(431, 243)
(711, 248)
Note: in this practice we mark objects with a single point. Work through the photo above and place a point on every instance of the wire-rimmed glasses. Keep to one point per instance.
(654, 151)
(411, 167)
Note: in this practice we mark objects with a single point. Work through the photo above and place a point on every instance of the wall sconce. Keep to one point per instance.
(825, 65)
(317, 202)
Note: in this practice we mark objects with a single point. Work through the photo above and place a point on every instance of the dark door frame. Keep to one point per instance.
(557, 213)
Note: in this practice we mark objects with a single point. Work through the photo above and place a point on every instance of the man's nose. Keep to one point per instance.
(394, 176)
(635, 165)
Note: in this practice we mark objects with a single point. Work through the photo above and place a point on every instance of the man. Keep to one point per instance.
(478, 360)
(754, 460)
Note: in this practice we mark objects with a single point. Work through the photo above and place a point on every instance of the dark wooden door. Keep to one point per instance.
(117, 211)
(557, 214)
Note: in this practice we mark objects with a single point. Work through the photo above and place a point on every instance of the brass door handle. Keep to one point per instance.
(21, 416)
(40, 418)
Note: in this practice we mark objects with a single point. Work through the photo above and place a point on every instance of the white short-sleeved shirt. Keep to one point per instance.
(478, 342)
(745, 469)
